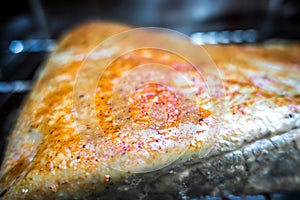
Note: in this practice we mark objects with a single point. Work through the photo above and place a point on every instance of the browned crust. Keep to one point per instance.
(46, 158)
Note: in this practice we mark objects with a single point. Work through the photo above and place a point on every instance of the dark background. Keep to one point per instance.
(46, 19)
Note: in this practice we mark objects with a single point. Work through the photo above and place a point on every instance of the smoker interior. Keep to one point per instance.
(46, 19)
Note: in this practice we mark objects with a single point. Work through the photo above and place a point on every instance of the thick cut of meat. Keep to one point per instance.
(157, 141)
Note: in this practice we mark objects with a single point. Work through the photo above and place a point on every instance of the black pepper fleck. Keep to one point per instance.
(3, 193)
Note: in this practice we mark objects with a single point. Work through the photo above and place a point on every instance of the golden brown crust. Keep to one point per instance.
(47, 158)
(89, 35)
(43, 138)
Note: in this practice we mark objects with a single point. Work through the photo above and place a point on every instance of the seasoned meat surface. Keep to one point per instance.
(132, 137)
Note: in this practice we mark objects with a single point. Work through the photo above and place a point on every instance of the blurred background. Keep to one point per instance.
(30, 28)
